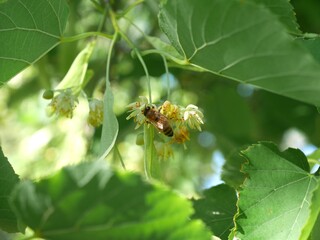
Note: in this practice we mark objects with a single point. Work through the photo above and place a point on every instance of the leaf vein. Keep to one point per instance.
(225, 36)
(28, 10)
(300, 208)
(10, 19)
(31, 30)
(15, 59)
(55, 13)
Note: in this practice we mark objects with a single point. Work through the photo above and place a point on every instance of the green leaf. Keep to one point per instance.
(105, 206)
(314, 215)
(284, 10)
(276, 196)
(244, 42)
(29, 29)
(313, 45)
(8, 179)
(231, 173)
(165, 48)
(217, 209)
(75, 77)
(292, 155)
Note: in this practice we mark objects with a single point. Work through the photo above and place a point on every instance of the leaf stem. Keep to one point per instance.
(167, 76)
(174, 59)
(148, 132)
(313, 161)
(136, 51)
(148, 150)
(97, 6)
(146, 72)
(115, 36)
(109, 96)
(120, 157)
(102, 22)
(85, 35)
(133, 5)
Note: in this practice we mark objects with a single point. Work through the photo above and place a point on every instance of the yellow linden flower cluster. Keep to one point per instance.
(179, 118)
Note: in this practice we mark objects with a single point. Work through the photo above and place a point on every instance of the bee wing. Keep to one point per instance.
(159, 125)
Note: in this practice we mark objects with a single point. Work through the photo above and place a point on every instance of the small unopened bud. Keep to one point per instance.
(48, 94)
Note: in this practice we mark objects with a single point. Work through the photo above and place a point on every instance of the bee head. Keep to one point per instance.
(146, 110)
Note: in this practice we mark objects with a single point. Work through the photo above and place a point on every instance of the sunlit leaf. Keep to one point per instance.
(242, 41)
(8, 179)
(105, 206)
(276, 196)
(216, 209)
(29, 29)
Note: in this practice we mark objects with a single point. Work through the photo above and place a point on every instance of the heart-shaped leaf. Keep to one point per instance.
(243, 41)
(276, 196)
(29, 29)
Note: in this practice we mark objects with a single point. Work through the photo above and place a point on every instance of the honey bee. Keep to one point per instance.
(158, 120)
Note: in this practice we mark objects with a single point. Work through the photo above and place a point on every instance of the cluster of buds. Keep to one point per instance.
(64, 103)
(179, 118)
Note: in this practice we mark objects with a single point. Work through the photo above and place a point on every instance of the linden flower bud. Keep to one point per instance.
(193, 116)
(95, 117)
(48, 94)
(64, 103)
